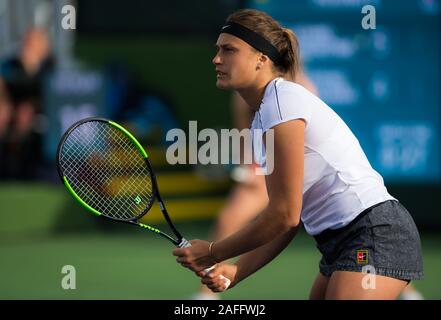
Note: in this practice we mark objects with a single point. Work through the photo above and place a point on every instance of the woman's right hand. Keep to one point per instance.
(214, 282)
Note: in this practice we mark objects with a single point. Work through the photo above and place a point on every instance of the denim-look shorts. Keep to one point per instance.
(382, 239)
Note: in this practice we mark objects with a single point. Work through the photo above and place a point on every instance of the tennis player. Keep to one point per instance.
(321, 177)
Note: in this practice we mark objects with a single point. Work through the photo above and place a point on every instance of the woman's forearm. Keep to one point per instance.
(256, 259)
(268, 226)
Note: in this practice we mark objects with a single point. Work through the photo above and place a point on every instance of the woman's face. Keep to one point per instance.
(235, 63)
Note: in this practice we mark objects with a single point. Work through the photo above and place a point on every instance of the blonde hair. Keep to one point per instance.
(283, 39)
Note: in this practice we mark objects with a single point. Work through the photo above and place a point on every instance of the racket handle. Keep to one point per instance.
(185, 244)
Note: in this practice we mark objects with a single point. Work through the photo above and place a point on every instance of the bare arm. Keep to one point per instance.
(284, 187)
(256, 259)
(248, 263)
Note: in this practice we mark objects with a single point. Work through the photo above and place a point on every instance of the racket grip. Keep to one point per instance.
(185, 244)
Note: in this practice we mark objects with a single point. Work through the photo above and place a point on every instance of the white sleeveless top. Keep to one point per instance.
(339, 183)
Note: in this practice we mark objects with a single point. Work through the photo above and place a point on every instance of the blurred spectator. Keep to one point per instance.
(5, 110)
(21, 82)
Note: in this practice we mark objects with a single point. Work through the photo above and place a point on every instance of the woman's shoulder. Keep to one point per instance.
(285, 84)
(287, 93)
(281, 89)
(284, 100)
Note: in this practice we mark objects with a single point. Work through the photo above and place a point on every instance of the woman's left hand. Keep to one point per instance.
(196, 257)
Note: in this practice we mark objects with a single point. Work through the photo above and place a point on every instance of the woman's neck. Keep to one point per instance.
(253, 95)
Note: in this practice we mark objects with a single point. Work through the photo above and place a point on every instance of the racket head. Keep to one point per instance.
(106, 170)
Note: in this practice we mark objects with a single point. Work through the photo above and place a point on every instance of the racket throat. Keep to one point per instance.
(184, 243)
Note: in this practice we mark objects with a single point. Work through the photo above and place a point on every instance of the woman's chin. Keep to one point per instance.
(222, 84)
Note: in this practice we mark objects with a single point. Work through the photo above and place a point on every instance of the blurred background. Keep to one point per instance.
(147, 65)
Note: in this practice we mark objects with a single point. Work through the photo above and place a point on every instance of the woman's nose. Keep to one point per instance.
(216, 59)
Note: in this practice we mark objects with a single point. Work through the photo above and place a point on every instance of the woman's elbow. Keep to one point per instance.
(288, 213)
(293, 221)
(291, 218)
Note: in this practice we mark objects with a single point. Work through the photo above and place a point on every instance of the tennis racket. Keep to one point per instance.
(108, 172)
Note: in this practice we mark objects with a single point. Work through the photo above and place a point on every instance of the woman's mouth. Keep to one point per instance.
(220, 74)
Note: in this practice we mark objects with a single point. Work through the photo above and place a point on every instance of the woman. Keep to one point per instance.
(320, 176)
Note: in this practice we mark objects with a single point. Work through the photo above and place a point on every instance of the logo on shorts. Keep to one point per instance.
(362, 256)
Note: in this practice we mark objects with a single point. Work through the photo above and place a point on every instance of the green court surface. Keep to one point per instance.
(117, 261)
(131, 267)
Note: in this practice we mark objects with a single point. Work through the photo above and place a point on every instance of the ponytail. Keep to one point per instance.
(291, 57)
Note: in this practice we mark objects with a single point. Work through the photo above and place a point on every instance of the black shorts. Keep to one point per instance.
(383, 238)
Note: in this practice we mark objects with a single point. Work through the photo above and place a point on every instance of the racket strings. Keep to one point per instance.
(106, 170)
(112, 206)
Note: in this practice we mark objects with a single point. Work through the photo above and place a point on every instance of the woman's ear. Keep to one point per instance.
(262, 60)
